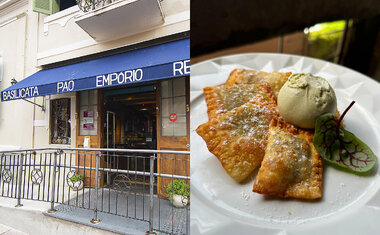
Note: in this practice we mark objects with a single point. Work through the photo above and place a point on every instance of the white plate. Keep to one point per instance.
(350, 203)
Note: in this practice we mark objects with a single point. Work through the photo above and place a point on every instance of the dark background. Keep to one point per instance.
(220, 24)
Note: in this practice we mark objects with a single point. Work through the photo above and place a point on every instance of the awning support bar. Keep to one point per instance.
(41, 106)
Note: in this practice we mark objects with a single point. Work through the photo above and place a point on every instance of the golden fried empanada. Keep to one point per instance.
(243, 76)
(238, 137)
(221, 99)
(291, 166)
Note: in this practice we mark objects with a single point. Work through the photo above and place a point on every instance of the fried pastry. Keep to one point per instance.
(243, 76)
(238, 137)
(291, 166)
(221, 99)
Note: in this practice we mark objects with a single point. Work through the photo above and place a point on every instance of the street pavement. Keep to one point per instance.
(6, 230)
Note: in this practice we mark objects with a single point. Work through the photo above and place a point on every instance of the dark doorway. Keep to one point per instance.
(135, 119)
(130, 123)
(64, 4)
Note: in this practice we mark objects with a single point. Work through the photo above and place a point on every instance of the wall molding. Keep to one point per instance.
(9, 6)
(61, 18)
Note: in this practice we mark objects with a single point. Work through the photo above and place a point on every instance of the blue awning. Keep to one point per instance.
(162, 61)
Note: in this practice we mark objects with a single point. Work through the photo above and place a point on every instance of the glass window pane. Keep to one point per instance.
(89, 131)
(179, 86)
(180, 105)
(180, 126)
(166, 127)
(60, 121)
(94, 108)
(88, 119)
(167, 108)
(166, 89)
(93, 97)
(173, 100)
(83, 97)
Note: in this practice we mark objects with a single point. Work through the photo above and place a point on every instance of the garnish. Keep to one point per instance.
(341, 147)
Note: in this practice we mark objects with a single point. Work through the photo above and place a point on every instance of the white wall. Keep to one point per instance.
(16, 117)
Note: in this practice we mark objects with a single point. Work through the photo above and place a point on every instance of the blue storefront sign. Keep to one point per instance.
(162, 61)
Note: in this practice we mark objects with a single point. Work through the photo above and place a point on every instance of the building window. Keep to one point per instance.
(60, 123)
(52, 6)
(173, 107)
(66, 4)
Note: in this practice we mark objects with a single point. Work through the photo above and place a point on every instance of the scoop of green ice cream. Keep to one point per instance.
(304, 97)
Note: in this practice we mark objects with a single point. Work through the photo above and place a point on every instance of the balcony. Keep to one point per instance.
(106, 20)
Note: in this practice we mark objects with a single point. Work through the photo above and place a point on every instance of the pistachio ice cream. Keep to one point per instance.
(304, 97)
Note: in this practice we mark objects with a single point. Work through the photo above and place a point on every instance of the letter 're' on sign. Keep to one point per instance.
(181, 67)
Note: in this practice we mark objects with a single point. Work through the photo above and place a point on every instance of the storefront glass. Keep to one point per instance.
(173, 103)
(88, 119)
(60, 122)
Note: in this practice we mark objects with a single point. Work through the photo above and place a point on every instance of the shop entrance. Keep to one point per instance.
(129, 116)
(151, 116)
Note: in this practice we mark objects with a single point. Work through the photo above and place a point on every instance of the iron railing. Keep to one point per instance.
(90, 5)
(123, 182)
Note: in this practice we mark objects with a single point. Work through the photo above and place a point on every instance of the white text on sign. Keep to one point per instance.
(119, 78)
(20, 93)
(181, 67)
(65, 86)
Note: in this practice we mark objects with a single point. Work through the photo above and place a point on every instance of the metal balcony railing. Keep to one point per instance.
(90, 5)
(123, 182)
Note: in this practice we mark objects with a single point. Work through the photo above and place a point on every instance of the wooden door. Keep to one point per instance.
(89, 107)
(173, 127)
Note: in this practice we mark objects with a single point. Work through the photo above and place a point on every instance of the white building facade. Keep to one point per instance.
(32, 41)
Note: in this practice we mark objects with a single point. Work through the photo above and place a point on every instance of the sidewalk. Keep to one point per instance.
(29, 219)
(32, 218)
(119, 219)
(5, 230)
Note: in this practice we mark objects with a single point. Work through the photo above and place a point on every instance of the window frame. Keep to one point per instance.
(172, 98)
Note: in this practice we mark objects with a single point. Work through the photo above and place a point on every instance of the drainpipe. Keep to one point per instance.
(34, 118)
(24, 14)
(34, 98)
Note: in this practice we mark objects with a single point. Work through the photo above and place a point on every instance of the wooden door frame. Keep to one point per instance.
(95, 141)
(164, 143)
(158, 113)
(99, 112)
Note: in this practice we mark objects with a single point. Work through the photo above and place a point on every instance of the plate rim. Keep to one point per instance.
(233, 56)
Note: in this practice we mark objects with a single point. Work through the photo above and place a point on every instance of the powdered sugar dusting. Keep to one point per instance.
(245, 195)
(250, 120)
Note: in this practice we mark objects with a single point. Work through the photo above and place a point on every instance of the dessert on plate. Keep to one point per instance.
(283, 124)
(245, 109)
